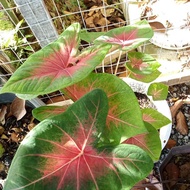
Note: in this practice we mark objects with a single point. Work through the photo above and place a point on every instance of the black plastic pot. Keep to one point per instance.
(9, 97)
(176, 156)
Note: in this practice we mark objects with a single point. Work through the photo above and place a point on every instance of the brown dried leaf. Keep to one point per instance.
(1, 130)
(176, 107)
(14, 137)
(157, 26)
(102, 21)
(108, 12)
(17, 108)
(89, 22)
(92, 10)
(3, 136)
(184, 170)
(2, 167)
(181, 125)
(16, 130)
(171, 143)
(3, 112)
(172, 173)
(31, 126)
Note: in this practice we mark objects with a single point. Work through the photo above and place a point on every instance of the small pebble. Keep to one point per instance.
(7, 160)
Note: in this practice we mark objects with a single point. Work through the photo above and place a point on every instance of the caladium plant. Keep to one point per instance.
(103, 140)
(63, 152)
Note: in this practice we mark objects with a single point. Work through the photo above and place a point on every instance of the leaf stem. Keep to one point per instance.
(118, 61)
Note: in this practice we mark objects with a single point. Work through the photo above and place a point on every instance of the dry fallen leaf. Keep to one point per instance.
(1, 130)
(172, 173)
(3, 112)
(176, 107)
(171, 143)
(181, 125)
(31, 126)
(14, 137)
(184, 171)
(108, 12)
(17, 108)
(157, 26)
(3, 136)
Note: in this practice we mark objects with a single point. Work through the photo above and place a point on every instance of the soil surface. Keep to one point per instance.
(12, 132)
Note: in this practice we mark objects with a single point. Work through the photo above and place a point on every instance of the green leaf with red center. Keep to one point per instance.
(158, 91)
(141, 63)
(56, 66)
(155, 118)
(145, 78)
(44, 112)
(127, 37)
(62, 153)
(124, 117)
(148, 141)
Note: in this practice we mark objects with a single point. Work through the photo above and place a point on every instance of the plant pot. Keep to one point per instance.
(8, 98)
(161, 106)
(174, 170)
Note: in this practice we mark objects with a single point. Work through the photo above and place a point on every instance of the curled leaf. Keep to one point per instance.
(3, 112)
(174, 109)
(181, 125)
(17, 108)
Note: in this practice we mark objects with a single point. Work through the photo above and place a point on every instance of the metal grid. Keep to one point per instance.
(45, 20)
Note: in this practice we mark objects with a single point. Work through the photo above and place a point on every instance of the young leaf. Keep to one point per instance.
(44, 112)
(127, 37)
(148, 141)
(56, 66)
(124, 117)
(141, 63)
(90, 36)
(145, 78)
(155, 118)
(61, 153)
(158, 91)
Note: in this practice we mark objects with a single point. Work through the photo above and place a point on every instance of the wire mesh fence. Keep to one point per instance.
(36, 23)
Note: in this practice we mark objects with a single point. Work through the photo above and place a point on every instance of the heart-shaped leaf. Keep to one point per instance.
(158, 91)
(141, 63)
(44, 112)
(90, 36)
(56, 66)
(155, 118)
(148, 141)
(127, 37)
(64, 155)
(124, 117)
(145, 78)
